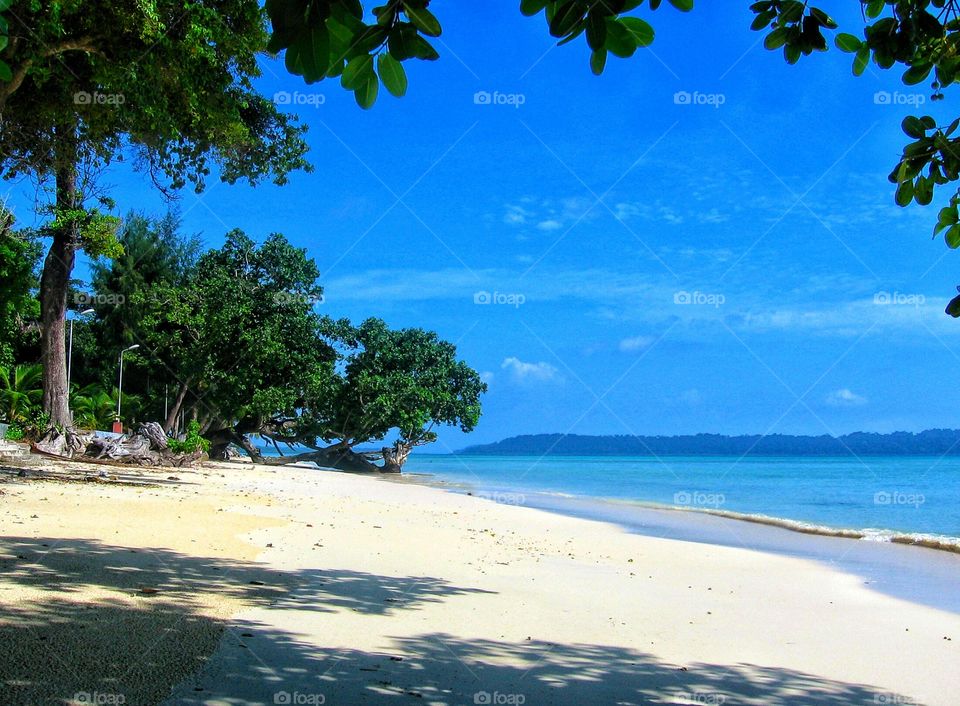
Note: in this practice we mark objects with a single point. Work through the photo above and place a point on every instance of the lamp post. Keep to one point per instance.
(70, 349)
(120, 386)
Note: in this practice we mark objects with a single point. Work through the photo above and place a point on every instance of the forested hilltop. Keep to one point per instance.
(933, 442)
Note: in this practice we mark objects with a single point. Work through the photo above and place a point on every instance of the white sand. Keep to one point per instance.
(387, 592)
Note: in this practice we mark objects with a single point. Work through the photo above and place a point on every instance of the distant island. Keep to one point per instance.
(933, 442)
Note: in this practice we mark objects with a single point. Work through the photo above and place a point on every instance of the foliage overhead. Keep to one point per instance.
(337, 39)
(169, 82)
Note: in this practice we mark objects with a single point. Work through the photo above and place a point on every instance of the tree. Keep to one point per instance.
(407, 380)
(20, 393)
(167, 83)
(241, 341)
(19, 258)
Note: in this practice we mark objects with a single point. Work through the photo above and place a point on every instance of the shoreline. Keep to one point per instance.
(880, 561)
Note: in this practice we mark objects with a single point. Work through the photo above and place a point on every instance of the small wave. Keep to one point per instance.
(930, 541)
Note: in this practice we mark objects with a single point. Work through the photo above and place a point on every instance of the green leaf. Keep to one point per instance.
(5, 73)
(4, 40)
(423, 19)
(913, 127)
(598, 59)
(532, 7)
(5, 5)
(392, 74)
(823, 18)
(291, 59)
(847, 42)
(775, 39)
(620, 41)
(424, 50)
(315, 53)
(682, 5)
(916, 74)
(596, 30)
(358, 72)
(366, 94)
(953, 308)
(642, 32)
(566, 18)
(952, 236)
(904, 193)
(861, 60)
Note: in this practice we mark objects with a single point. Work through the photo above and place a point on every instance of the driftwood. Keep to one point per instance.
(147, 447)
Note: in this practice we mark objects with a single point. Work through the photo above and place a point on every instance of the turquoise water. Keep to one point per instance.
(874, 495)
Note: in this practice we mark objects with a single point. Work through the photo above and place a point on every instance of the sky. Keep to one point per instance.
(703, 239)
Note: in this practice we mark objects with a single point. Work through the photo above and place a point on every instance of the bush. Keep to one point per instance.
(192, 443)
(14, 433)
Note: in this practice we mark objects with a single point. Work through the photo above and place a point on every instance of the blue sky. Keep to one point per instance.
(717, 260)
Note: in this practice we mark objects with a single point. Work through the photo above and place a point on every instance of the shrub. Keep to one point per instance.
(192, 443)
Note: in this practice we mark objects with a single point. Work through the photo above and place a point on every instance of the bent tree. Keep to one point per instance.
(168, 84)
(238, 336)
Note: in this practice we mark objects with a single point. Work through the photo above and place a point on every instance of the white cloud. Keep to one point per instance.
(550, 224)
(533, 372)
(691, 397)
(636, 343)
(844, 397)
(487, 377)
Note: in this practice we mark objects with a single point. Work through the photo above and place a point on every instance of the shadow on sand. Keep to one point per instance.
(121, 642)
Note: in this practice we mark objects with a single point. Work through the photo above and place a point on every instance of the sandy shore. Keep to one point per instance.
(240, 585)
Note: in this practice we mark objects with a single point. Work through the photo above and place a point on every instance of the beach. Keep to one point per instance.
(236, 584)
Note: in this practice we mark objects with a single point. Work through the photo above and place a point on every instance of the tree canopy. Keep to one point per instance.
(166, 84)
(237, 338)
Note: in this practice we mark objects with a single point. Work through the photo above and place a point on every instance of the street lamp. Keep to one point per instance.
(70, 349)
(120, 383)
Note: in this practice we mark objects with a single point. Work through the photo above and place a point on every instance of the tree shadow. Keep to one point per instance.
(83, 617)
(257, 664)
(87, 632)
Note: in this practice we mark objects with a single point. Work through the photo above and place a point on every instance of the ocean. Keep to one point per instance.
(878, 518)
(877, 497)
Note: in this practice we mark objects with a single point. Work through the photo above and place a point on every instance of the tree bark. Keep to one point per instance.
(175, 410)
(55, 281)
(395, 456)
(335, 457)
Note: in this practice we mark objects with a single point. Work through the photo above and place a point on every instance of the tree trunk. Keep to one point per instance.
(55, 281)
(175, 410)
(335, 457)
(394, 457)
